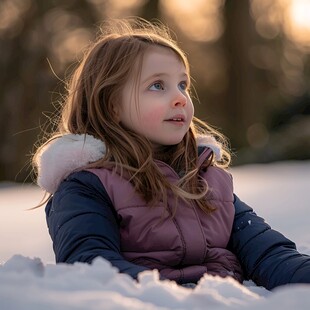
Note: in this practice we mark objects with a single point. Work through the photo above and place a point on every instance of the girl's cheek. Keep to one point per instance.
(154, 115)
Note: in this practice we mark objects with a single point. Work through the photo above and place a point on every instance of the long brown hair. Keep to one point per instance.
(94, 91)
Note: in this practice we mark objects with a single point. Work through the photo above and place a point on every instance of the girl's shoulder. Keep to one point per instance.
(64, 155)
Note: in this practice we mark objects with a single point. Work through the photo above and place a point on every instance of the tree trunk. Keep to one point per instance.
(241, 100)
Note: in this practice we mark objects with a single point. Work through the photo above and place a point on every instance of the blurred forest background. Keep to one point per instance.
(250, 64)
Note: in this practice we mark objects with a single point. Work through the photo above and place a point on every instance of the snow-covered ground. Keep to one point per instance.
(29, 278)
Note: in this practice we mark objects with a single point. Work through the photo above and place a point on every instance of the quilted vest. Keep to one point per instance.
(182, 247)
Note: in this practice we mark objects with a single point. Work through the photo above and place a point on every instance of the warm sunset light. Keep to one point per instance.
(297, 22)
(290, 16)
(200, 20)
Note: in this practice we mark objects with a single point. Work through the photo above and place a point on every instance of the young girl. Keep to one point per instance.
(136, 179)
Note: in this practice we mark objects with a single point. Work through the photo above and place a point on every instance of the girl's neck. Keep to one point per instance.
(164, 153)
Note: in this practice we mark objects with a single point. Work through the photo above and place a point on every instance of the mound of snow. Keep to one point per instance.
(100, 286)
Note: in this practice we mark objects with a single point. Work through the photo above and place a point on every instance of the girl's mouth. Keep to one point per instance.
(177, 120)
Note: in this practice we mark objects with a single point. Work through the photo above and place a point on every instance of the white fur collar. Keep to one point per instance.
(64, 155)
(71, 152)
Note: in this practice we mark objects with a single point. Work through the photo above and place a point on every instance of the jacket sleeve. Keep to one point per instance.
(267, 257)
(83, 224)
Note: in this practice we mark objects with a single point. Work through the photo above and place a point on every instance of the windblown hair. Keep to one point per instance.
(94, 91)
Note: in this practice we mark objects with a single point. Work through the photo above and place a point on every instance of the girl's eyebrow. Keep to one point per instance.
(163, 74)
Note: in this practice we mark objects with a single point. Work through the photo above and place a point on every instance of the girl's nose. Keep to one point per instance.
(180, 99)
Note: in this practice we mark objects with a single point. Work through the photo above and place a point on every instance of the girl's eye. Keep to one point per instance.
(183, 85)
(157, 86)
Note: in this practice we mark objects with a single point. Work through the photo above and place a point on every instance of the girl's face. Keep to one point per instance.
(158, 107)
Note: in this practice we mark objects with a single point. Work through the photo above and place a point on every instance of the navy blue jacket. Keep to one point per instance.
(83, 225)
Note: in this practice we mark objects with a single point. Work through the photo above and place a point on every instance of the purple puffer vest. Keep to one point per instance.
(185, 246)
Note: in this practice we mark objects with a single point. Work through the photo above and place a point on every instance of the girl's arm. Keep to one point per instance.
(267, 257)
(83, 225)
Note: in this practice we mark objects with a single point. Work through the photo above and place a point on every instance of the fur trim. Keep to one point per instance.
(72, 152)
(64, 155)
(211, 143)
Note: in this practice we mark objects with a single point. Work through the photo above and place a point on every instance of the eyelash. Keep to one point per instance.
(162, 85)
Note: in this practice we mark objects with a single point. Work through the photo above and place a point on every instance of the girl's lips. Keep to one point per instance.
(177, 118)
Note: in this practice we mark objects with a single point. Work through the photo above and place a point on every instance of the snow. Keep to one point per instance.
(29, 278)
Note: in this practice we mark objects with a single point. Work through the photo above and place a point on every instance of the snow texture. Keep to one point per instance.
(29, 278)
